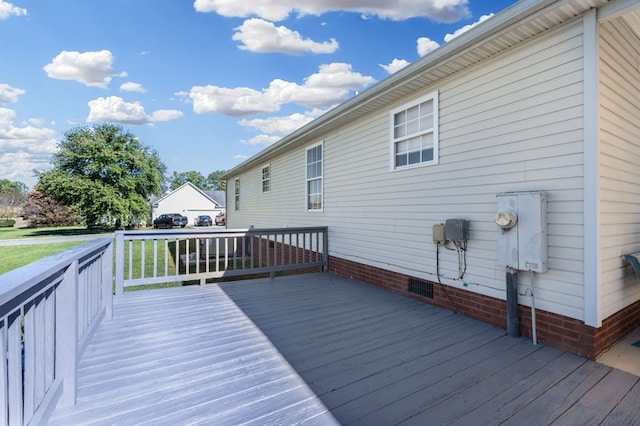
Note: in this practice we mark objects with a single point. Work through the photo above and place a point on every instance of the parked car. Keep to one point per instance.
(170, 220)
(221, 218)
(203, 220)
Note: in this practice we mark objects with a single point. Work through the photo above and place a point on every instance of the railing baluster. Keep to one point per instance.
(177, 256)
(4, 379)
(187, 255)
(29, 350)
(50, 329)
(142, 258)
(130, 259)
(166, 257)
(155, 258)
(14, 353)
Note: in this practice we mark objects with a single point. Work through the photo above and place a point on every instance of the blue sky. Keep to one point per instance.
(208, 83)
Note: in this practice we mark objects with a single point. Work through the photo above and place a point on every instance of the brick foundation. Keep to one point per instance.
(564, 333)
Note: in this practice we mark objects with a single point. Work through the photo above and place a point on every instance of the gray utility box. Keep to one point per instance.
(522, 231)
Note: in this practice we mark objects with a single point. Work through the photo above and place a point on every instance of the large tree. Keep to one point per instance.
(12, 196)
(212, 181)
(103, 174)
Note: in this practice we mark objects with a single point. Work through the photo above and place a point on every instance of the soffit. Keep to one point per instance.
(632, 18)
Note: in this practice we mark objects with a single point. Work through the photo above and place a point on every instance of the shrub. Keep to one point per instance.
(8, 223)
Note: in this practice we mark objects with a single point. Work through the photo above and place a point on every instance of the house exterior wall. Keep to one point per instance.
(514, 123)
(187, 201)
(619, 184)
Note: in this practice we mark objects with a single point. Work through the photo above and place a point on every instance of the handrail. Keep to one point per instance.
(49, 310)
(162, 256)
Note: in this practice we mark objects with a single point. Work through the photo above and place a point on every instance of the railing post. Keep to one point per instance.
(107, 281)
(67, 334)
(119, 263)
(325, 249)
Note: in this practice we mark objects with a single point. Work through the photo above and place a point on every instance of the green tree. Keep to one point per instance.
(215, 181)
(211, 182)
(103, 174)
(178, 179)
(12, 197)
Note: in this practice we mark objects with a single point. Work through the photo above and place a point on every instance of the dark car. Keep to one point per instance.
(170, 220)
(221, 218)
(203, 220)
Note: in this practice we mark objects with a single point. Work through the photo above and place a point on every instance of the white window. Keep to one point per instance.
(314, 178)
(414, 133)
(237, 194)
(266, 178)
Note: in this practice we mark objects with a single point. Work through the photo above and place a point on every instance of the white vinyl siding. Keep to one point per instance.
(620, 164)
(314, 182)
(510, 124)
(414, 133)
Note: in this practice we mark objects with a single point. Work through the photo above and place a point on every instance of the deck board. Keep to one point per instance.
(318, 349)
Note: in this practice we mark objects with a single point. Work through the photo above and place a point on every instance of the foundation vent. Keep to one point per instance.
(422, 288)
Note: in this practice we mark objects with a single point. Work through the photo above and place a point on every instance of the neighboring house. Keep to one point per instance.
(189, 201)
(544, 96)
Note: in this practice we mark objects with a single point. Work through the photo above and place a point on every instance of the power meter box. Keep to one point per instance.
(522, 243)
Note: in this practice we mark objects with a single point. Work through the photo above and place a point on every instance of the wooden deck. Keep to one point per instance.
(317, 349)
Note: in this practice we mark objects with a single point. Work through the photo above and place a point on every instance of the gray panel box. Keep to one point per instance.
(523, 246)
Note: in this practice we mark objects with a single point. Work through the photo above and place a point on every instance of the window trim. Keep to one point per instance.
(263, 180)
(236, 194)
(307, 180)
(432, 96)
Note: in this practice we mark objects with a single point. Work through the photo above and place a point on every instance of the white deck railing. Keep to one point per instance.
(49, 310)
(155, 257)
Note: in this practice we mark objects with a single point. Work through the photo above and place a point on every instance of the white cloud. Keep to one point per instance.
(261, 140)
(258, 35)
(89, 68)
(282, 125)
(241, 157)
(395, 65)
(234, 102)
(166, 115)
(24, 148)
(278, 10)
(426, 45)
(132, 87)
(9, 94)
(329, 86)
(466, 28)
(8, 9)
(114, 109)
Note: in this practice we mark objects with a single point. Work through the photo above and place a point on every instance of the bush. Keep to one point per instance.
(8, 223)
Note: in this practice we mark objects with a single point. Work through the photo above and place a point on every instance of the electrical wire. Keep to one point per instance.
(444, 287)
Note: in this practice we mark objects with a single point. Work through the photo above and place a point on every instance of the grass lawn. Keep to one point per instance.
(13, 257)
(17, 233)
(16, 256)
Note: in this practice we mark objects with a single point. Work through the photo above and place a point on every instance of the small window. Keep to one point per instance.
(414, 133)
(266, 178)
(237, 194)
(314, 178)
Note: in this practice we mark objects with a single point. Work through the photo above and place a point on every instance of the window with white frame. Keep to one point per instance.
(237, 194)
(266, 178)
(314, 178)
(414, 133)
